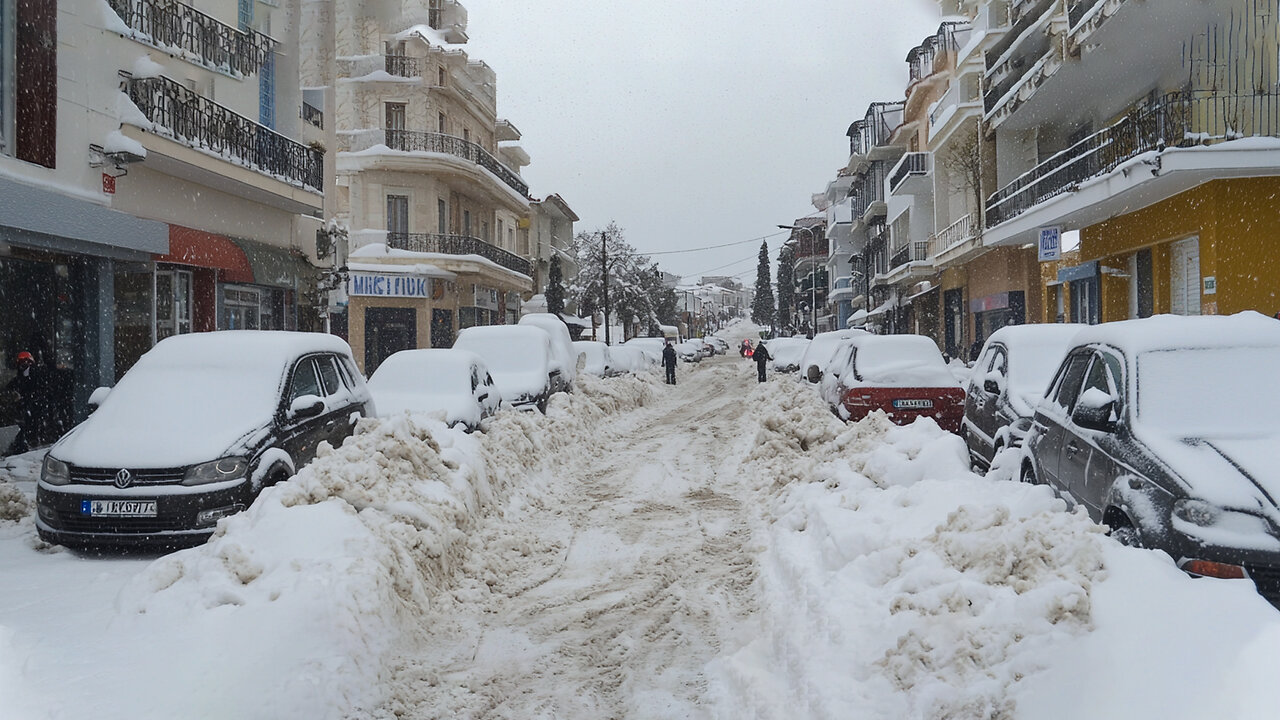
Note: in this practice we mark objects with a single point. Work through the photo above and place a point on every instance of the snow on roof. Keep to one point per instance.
(429, 35)
(399, 269)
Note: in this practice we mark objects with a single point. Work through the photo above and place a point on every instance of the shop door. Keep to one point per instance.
(441, 328)
(388, 331)
(953, 300)
(173, 303)
(134, 307)
(1184, 285)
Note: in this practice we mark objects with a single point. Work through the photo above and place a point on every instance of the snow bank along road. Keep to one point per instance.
(719, 549)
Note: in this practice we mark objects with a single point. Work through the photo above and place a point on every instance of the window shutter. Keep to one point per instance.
(36, 107)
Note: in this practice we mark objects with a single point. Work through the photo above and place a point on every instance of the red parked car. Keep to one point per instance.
(903, 375)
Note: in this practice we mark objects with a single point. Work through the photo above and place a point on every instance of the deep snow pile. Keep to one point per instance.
(290, 610)
(898, 584)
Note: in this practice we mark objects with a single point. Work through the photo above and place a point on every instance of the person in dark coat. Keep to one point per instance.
(28, 388)
(669, 362)
(762, 358)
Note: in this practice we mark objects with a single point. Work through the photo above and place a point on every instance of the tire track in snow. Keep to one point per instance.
(606, 584)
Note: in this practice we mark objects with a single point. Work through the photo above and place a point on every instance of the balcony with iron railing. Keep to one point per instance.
(402, 66)
(192, 35)
(459, 245)
(907, 253)
(953, 236)
(1015, 55)
(912, 165)
(1175, 120)
(192, 119)
(419, 141)
(312, 115)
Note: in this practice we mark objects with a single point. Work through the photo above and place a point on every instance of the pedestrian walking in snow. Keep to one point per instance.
(669, 362)
(762, 358)
(27, 384)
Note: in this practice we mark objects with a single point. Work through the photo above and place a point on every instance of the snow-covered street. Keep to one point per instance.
(717, 549)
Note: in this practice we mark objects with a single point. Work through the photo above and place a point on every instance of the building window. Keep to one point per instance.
(173, 303)
(397, 214)
(466, 223)
(501, 232)
(442, 216)
(395, 116)
(442, 76)
(442, 125)
(267, 92)
(466, 134)
(246, 307)
(245, 14)
(7, 58)
(484, 231)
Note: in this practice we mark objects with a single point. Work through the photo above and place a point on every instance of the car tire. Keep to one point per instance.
(278, 474)
(1122, 529)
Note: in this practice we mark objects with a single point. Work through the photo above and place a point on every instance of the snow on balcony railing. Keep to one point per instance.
(916, 163)
(459, 245)
(418, 141)
(195, 36)
(194, 120)
(1175, 120)
(957, 233)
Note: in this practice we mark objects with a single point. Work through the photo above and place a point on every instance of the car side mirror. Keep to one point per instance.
(1095, 410)
(98, 397)
(993, 383)
(306, 406)
(814, 374)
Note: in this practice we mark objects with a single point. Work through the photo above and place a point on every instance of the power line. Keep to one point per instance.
(716, 247)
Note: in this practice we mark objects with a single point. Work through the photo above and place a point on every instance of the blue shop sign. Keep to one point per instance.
(403, 286)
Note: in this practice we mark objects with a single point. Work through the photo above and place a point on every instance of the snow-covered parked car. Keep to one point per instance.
(452, 382)
(1014, 368)
(520, 359)
(1166, 430)
(650, 346)
(564, 356)
(629, 359)
(787, 352)
(703, 346)
(192, 433)
(599, 358)
(903, 375)
(820, 349)
(689, 352)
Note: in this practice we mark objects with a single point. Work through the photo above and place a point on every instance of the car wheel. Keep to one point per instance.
(278, 474)
(1122, 529)
(1028, 475)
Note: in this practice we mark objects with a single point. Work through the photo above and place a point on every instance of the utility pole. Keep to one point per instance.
(604, 282)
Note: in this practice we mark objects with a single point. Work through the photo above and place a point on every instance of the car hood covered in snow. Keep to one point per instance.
(457, 407)
(1236, 473)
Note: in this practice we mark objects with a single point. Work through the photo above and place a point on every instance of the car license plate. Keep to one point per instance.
(912, 404)
(118, 508)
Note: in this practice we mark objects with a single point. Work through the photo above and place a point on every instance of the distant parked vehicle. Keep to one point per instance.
(630, 359)
(1007, 382)
(520, 360)
(192, 433)
(903, 375)
(1165, 430)
(719, 344)
(650, 346)
(689, 352)
(787, 352)
(821, 348)
(599, 358)
(703, 346)
(453, 382)
(563, 355)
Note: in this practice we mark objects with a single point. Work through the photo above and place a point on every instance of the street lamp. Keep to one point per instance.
(813, 280)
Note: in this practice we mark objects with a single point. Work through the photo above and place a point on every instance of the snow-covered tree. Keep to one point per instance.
(786, 288)
(636, 293)
(762, 305)
(555, 287)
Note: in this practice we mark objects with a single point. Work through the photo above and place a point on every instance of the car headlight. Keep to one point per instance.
(228, 468)
(1197, 512)
(54, 471)
(1202, 514)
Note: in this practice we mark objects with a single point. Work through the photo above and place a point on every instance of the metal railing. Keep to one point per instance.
(313, 115)
(402, 66)
(916, 163)
(1175, 120)
(459, 245)
(917, 251)
(171, 24)
(958, 232)
(1078, 9)
(189, 118)
(418, 141)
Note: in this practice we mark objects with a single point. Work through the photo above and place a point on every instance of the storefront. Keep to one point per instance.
(395, 307)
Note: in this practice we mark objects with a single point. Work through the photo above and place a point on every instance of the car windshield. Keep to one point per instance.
(422, 375)
(1032, 366)
(1209, 392)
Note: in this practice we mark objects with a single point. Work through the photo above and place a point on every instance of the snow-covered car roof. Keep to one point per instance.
(518, 356)
(823, 347)
(597, 355)
(561, 341)
(191, 398)
(899, 360)
(425, 381)
(1035, 352)
(1168, 332)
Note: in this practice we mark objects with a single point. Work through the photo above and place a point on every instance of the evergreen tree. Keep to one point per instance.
(762, 305)
(555, 287)
(786, 288)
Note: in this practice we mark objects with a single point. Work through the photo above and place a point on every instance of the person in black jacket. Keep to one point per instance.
(669, 362)
(28, 386)
(762, 358)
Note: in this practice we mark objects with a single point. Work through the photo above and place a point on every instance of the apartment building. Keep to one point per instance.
(551, 235)
(151, 182)
(427, 177)
(809, 250)
(1150, 128)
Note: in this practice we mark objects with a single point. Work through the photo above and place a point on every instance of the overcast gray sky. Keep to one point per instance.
(692, 123)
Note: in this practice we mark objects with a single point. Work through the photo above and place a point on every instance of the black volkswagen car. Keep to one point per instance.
(193, 432)
(1167, 430)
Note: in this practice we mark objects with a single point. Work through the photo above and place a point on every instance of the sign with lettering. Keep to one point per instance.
(1050, 244)
(108, 184)
(375, 285)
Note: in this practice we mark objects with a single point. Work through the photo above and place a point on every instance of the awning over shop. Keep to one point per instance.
(859, 317)
(276, 266)
(1082, 271)
(423, 269)
(45, 218)
(198, 248)
(884, 308)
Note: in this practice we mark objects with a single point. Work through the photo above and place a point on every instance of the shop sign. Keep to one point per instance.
(405, 286)
(999, 301)
(1211, 285)
(486, 298)
(1050, 244)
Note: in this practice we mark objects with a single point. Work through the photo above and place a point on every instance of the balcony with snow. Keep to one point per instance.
(913, 175)
(429, 152)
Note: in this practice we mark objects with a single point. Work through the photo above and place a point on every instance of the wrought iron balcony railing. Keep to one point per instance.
(417, 141)
(1077, 9)
(458, 245)
(176, 26)
(917, 251)
(403, 66)
(1175, 120)
(916, 163)
(956, 233)
(194, 120)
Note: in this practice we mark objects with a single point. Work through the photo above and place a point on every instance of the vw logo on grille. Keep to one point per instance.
(124, 479)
